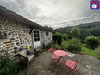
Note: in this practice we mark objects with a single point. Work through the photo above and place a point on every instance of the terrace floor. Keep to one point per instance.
(88, 65)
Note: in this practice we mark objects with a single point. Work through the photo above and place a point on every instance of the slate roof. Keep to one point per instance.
(18, 18)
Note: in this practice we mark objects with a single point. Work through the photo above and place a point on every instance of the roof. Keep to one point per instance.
(18, 18)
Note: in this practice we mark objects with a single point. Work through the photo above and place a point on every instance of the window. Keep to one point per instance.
(47, 33)
(36, 35)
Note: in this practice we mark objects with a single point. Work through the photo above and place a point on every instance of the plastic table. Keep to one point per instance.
(59, 53)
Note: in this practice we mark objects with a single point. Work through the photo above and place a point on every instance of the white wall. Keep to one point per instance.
(43, 39)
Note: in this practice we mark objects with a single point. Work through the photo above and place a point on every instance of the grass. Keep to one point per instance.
(64, 45)
(98, 50)
(90, 52)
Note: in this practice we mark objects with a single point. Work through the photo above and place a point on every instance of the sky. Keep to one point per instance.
(54, 13)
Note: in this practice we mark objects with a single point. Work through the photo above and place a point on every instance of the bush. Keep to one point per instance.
(65, 37)
(36, 53)
(57, 37)
(92, 42)
(74, 45)
(49, 45)
(7, 66)
(56, 46)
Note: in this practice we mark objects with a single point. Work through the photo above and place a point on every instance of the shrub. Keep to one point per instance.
(74, 45)
(49, 45)
(65, 44)
(7, 66)
(36, 53)
(65, 37)
(57, 37)
(92, 42)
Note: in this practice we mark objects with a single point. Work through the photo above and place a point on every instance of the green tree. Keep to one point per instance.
(92, 42)
(75, 32)
(48, 27)
(57, 37)
(83, 34)
(74, 45)
(64, 36)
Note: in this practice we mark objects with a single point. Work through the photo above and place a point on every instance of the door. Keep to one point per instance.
(37, 42)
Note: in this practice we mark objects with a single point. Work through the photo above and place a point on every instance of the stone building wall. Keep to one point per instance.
(42, 37)
(13, 34)
(46, 39)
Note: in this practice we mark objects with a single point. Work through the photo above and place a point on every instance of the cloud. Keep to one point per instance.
(93, 18)
(46, 12)
(22, 7)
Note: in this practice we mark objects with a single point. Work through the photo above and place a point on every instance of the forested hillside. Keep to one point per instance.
(88, 29)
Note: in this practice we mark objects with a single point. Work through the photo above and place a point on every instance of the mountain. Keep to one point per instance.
(86, 29)
(89, 25)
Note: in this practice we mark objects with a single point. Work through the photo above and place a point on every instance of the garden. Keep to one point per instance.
(70, 43)
(74, 43)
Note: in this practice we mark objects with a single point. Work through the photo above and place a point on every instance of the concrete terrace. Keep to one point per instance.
(88, 65)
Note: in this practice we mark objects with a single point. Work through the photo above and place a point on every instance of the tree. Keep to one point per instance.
(48, 27)
(74, 45)
(92, 42)
(75, 32)
(57, 37)
(83, 34)
(64, 36)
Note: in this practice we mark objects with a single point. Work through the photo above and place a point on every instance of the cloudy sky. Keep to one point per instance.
(54, 13)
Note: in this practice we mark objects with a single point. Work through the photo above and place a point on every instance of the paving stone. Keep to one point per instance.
(88, 65)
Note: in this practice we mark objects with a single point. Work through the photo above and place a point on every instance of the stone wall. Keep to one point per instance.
(13, 34)
(46, 39)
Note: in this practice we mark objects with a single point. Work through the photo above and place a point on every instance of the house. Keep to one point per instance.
(17, 31)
